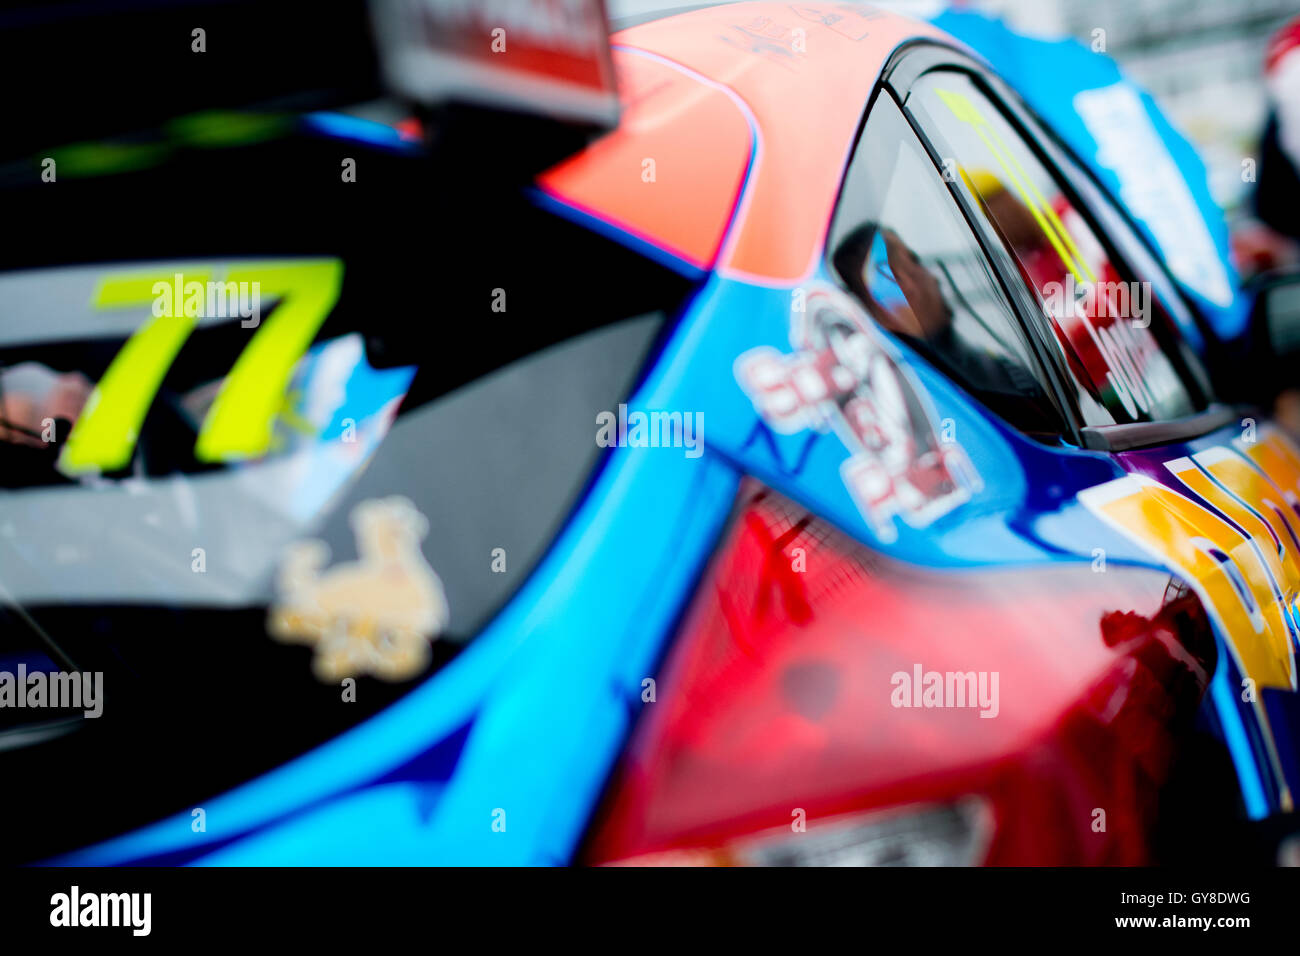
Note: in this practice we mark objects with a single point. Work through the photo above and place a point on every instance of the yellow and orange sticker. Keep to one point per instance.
(1237, 546)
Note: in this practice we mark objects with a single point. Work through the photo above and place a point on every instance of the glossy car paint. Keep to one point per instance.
(750, 143)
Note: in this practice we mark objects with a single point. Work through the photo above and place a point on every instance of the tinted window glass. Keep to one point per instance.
(901, 247)
(1113, 331)
(155, 562)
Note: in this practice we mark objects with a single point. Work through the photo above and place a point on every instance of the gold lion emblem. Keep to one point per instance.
(375, 615)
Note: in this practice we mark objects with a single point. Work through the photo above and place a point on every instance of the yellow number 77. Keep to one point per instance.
(238, 426)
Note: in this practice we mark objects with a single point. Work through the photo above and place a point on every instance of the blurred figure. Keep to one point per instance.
(904, 296)
(33, 397)
(1277, 194)
(1260, 248)
(916, 298)
(1277, 200)
(922, 312)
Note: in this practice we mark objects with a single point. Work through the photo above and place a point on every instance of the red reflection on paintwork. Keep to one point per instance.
(777, 694)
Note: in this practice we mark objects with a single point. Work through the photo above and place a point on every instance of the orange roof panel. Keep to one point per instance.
(749, 112)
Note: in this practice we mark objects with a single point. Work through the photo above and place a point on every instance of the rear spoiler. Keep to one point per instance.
(546, 57)
(510, 87)
(537, 74)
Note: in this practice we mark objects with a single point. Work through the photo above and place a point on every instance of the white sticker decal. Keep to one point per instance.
(1152, 187)
(842, 377)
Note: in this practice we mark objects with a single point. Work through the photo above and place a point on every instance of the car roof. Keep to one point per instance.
(735, 132)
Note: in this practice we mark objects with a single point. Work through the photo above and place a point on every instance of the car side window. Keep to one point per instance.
(899, 244)
(1113, 332)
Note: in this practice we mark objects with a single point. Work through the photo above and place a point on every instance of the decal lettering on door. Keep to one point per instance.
(1234, 539)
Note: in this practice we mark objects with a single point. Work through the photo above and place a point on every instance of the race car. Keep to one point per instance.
(842, 458)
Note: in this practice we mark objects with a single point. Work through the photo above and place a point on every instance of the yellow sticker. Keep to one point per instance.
(239, 424)
(1222, 565)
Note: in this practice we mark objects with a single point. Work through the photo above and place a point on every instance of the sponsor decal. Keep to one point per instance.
(1152, 186)
(842, 377)
(1233, 533)
(376, 615)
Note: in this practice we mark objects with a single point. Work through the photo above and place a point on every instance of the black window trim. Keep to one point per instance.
(1010, 285)
(1019, 114)
(1169, 431)
(923, 58)
(916, 59)
(1017, 104)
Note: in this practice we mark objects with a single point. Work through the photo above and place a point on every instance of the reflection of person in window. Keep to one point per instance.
(920, 315)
